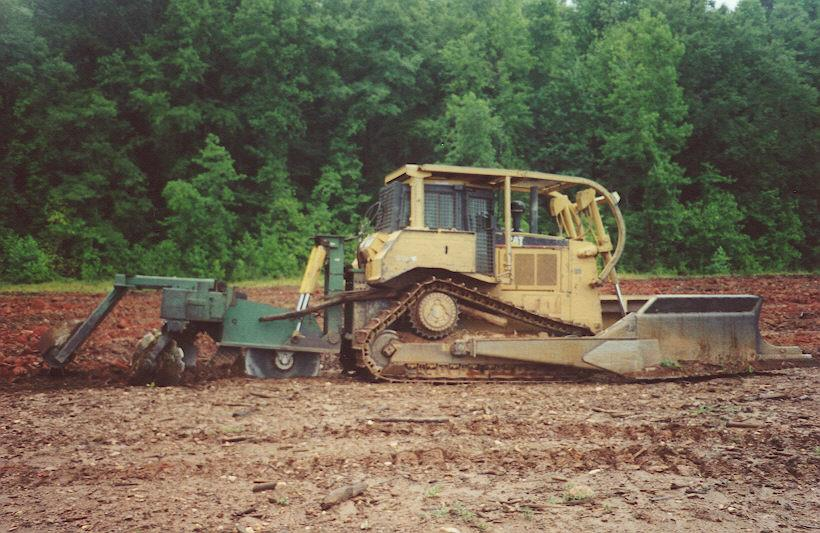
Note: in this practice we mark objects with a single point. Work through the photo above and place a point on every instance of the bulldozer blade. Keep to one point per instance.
(691, 336)
(702, 334)
(669, 336)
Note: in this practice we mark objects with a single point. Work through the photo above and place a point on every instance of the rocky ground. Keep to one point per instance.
(84, 451)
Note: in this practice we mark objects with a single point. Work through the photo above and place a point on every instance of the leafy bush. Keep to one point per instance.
(719, 263)
(110, 160)
(24, 261)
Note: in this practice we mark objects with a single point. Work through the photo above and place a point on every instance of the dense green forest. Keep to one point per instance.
(214, 137)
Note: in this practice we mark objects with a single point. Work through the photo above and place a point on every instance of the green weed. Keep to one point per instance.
(576, 493)
(433, 492)
(670, 363)
(460, 511)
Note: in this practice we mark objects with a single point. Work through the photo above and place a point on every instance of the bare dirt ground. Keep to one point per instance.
(84, 451)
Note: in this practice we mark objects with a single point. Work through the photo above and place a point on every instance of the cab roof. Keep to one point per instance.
(520, 180)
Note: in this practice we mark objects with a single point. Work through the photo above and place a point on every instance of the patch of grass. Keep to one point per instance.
(232, 429)
(662, 274)
(817, 451)
(576, 493)
(701, 409)
(433, 492)
(527, 512)
(670, 363)
(105, 285)
(68, 285)
(281, 500)
(460, 511)
(463, 513)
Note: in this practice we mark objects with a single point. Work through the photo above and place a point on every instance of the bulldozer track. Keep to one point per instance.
(429, 372)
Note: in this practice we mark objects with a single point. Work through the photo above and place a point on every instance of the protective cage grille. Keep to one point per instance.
(394, 207)
(445, 207)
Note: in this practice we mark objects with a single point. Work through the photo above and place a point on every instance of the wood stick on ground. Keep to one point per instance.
(259, 487)
(433, 420)
(234, 439)
(618, 414)
(343, 494)
(744, 425)
(639, 453)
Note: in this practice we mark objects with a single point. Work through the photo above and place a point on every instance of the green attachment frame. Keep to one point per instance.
(241, 328)
(334, 281)
(203, 298)
(207, 304)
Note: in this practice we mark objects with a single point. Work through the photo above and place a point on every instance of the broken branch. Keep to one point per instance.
(343, 494)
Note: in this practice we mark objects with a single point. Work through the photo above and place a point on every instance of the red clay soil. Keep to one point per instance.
(85, 452)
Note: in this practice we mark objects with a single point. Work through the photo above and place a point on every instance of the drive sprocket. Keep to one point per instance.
(434, 315)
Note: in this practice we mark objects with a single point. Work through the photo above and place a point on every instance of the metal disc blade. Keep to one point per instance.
(259, 363)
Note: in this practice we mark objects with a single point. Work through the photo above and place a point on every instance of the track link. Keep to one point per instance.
(363, 338)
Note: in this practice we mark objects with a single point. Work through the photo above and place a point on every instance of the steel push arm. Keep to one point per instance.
(59, 356)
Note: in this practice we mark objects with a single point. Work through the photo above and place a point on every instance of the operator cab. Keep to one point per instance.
(447, 207)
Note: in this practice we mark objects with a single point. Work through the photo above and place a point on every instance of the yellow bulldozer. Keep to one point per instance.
(468, 274)
(463, 278)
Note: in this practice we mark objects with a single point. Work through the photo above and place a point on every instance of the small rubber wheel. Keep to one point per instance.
(261, 363)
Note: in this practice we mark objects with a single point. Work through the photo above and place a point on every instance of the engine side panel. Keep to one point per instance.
(410, 249)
